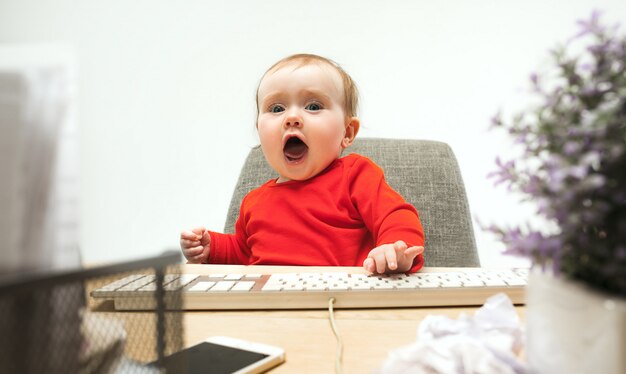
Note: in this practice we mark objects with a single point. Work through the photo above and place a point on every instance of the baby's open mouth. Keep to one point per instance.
(295, 149)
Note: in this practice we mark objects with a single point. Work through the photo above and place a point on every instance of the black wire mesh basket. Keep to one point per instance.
(50, 324)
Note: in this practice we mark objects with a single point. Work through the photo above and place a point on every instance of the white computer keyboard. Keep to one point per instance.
(312, 290)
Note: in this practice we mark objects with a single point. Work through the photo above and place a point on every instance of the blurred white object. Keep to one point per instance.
(38, 158)
(573, 328)
(487, 342)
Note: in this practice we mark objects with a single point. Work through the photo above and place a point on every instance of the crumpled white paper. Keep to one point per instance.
(487, 342)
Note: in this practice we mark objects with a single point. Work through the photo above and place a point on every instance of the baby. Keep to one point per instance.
(323, 209)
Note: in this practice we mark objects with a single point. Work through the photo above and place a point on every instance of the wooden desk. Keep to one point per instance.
(306, 336)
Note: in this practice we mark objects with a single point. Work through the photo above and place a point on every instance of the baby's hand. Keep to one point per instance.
(391, 258)
(195, 245)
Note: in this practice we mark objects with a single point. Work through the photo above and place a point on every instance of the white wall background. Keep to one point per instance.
(166, 93)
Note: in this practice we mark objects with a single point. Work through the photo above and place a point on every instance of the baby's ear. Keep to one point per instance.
(352, 128)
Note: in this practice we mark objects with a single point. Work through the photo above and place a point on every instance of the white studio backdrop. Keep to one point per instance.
(166, 94)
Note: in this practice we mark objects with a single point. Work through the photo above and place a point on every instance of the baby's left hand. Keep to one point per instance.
(391, 258)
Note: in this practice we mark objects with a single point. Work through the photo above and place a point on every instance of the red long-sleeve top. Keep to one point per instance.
(333, 219)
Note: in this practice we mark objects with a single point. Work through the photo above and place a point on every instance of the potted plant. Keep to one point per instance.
(573, 167)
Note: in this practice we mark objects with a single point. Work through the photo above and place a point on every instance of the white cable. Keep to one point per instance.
(339, 353)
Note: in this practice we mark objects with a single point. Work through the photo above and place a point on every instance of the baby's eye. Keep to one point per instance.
(276, 108)
(313, 107)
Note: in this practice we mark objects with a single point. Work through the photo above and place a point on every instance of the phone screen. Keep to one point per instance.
(211, 358)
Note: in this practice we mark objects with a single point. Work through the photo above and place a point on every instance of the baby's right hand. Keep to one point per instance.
(195, 245)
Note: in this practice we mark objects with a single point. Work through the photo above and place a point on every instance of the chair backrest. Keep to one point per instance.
(424, 172)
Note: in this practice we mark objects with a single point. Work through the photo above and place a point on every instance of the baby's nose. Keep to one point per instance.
(293, 122)
(293, 119)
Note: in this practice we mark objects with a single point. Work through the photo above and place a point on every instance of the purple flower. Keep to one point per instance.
(505, 173)
(591, 26)
(533, 187)
(571, 148)
(534, 78)
(574, 161)
(578, 171)
(496, 121)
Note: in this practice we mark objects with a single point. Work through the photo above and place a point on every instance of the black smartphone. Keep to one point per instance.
(224, 355)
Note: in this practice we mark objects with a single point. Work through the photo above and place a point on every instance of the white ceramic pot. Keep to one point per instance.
(572, 328)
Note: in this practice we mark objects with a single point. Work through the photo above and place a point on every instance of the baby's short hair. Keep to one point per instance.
(350, 91)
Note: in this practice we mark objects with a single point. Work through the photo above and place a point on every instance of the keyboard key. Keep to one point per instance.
(201, 287)
(185, 279)
(337, 286)
(121, 282)
(272, 287)
(385, 286)
(242, 286)
(516, 282)
(222, 286)
(429, 285)
(137, 284)
(316, 287)
(474, 284)
(233, 277)
(495, 282)
(451, 283)
(405, 285)
(293, 287)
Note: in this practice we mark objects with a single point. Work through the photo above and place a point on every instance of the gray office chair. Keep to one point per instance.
(424, 172)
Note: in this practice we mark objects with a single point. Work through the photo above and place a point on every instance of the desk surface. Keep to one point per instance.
(306, 336)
